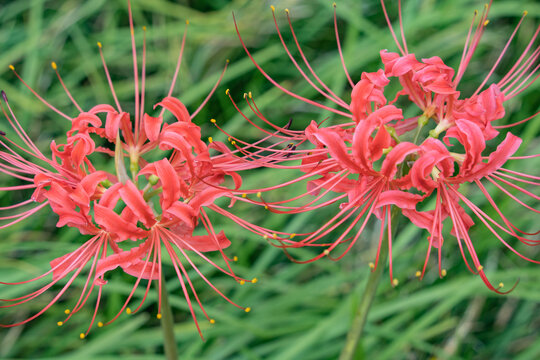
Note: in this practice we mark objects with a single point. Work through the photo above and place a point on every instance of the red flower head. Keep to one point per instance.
(135, 214)
(379, 160)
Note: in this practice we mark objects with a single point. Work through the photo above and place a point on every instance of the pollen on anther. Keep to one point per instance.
(100, 324)
(227, 92)
(213, 121)
(67, 311)
(144, 28)
(334, 4)
(82, 336)
(212, 321)
(486, 22)
(227, 61)
(158, 316)
(395, 282)
(274, 236)
(128, 311)
(254, 280)
(233, 142)
(501, 284)
(443, 272)
(53, 65)
(525, 13)
(99, 45)
(249, 94)
(60, 323)
(326, 252)
(12, 67)
(210, 139)
(418, 273)
(480, 268)
(265, 207)
(242, 282)
(292, 236)
(248, 309)
(371, 265)
(244, 195)
(259, 194)
(235, 258)
(287, 11)
(272, 7)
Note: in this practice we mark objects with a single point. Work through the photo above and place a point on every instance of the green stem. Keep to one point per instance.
(356, 330)
(167, 324)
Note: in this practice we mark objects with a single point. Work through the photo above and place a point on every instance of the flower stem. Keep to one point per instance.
(349, 351)
(169, 341)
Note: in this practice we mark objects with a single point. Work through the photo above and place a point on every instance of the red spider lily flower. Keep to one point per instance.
(374, 161)
(153, 204)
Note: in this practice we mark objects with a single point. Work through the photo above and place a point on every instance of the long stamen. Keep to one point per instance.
(108, 75)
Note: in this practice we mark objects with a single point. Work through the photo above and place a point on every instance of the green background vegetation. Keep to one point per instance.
(298, 311)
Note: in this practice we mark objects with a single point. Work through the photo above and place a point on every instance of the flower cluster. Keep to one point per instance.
(376, 163)
(379, 160)
(134, 214)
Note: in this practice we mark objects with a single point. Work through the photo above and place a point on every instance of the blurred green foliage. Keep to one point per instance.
(299, 311)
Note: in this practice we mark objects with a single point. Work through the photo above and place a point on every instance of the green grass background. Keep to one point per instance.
(298, 311)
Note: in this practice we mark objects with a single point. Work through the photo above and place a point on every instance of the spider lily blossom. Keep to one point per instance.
(133, 215)
(377, 159)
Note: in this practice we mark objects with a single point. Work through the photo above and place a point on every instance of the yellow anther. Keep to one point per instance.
(486, 22)
(128, 311)
(265, 237)
(259, 194)
(233, 142)
(480, 268)
(212, 321)
(99, 45)
(395, 282)
(82, 336)
(12, 67)
(418, 273)
(326, 252)
(475, 12)
(187, 22)
(245, 95)
(334, 4)
(227, 92)
(60, 323)
(371, 265)
(254, 280)
(272, 7)
(249, 94)
(501, 284)
(213, 121)
(248, 309)
(244, 195)
(53, 65)
(265, 207)
(525, 13)
(235, 258)
(292, 235)
(67, 311)
(158, 316)
(274, 236)
(287, 11)
(100, 324)
(242, 282)
(443, 272)
(144, 28)
(210, 139)
(227, 61)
